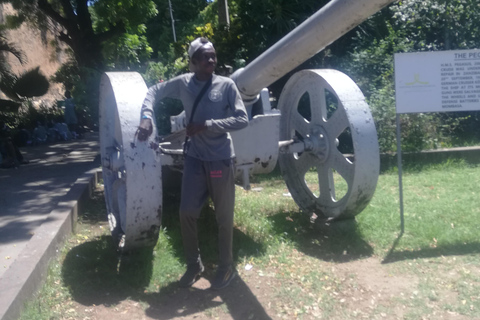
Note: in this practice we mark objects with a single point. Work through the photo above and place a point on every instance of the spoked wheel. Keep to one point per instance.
(132, 172)
(336, 173)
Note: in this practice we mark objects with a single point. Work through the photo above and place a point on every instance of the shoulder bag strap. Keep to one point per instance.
(194, 108)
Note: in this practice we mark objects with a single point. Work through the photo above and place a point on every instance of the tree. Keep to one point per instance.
(408, 26)
(130, 49)
(73, 23)
(439, 24)
(257, 25)
(100, 33)
(159, 28)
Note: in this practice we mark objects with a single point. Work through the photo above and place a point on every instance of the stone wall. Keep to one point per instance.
(39, 50)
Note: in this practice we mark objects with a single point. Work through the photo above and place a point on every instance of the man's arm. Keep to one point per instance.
(154, 93)
(145, 128)
(239, 118)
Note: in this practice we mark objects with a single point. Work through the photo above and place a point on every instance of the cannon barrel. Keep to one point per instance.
(312, 36)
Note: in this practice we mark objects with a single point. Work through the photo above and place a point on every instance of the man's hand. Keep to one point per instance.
(195, 128)
(145, 129)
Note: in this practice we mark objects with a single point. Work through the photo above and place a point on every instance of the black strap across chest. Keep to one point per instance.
(194, 108)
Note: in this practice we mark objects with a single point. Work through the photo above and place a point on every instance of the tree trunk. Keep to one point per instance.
(223, 17)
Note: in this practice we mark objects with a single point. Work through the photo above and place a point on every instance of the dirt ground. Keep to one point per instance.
(363, 289)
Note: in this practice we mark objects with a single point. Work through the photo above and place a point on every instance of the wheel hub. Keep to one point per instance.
(316, 142)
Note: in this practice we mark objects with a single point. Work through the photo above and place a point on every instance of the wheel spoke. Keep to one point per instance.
(337, 123)
(325, 181)
(318, 105)
(299, 123)
(343, 166)
(303, 164)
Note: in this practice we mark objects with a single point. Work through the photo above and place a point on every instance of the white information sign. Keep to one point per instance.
(437, 81)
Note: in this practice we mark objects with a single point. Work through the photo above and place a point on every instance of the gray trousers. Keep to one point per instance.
(200, 180)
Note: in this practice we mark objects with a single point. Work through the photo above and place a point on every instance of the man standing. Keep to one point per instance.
(70, 114)
(214, 108)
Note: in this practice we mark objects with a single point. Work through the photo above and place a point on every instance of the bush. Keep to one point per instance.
(84, 84)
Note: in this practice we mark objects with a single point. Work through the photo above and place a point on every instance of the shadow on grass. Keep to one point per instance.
(96, 275)
(338, 241)
(443, 250)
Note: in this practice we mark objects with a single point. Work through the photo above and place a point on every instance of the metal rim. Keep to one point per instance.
(319, 130)
(131, 170)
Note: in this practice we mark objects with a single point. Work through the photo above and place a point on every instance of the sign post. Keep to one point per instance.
(443, 81)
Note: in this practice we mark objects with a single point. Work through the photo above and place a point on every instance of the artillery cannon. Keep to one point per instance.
(316, 107)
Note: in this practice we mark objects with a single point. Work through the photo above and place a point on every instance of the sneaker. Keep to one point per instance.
(191, 275)
(223, 278)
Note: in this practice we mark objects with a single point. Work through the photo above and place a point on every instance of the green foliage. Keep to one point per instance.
(382, 104)
(154, 73)
(131, 13)
(26, 115)
(408, 26)
(84, 85)
(126, 52)
(439, 24)
(68, 74)
(256, 25)
(160, 31)
(419, 131)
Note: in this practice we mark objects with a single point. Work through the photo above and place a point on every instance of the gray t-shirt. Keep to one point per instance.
(221, 109)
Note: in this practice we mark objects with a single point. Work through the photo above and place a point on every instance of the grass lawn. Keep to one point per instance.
(289, 266)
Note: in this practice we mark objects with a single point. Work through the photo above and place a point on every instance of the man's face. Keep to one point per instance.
(205, 60)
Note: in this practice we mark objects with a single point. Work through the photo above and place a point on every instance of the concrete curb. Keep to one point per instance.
(27, 273)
